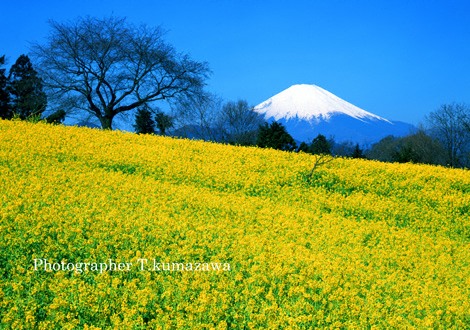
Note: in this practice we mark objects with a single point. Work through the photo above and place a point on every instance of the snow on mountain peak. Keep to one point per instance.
(310, 102)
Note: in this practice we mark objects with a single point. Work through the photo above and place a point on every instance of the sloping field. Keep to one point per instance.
(114, 230)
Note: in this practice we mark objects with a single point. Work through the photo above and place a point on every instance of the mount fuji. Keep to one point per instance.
(309, 110)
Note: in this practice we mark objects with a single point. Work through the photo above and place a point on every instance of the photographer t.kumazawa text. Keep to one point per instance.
(142, 264)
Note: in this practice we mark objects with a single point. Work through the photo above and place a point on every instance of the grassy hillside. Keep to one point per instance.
(360, 244)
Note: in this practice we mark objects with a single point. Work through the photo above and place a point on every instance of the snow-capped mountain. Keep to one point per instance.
(309, 110)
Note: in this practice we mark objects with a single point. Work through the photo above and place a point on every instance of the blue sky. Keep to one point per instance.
(398, 59)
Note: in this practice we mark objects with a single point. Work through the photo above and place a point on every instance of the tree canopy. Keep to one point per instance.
(109, 66)
(26, 89)
(275, 136)
(163, 122)
(320, 145)
(144, 124)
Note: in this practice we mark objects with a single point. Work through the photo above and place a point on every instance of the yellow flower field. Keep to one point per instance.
(112, 230)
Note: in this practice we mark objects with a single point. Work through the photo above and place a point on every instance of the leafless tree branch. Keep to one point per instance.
(114, 67)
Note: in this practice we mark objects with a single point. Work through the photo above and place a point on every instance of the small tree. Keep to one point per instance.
(357, 152)
(5, 110)
(144, 123)
(319, 160)
(275, 136)
(26, 89)
(163, 121)
(304, 147)
(56, 117)
(320, 145)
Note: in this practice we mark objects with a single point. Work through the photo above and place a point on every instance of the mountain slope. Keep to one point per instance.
(309, 110)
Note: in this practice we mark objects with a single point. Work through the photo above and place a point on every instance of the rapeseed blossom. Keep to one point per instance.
(359, 244)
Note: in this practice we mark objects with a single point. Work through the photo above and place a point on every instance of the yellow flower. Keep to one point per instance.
(361, 244)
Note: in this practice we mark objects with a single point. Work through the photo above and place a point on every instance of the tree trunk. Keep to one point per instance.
(106, 122)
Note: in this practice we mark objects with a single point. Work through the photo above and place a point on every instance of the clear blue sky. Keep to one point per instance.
(398, 59)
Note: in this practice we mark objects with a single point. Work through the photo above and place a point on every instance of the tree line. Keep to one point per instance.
(108, 68)
(443, 140)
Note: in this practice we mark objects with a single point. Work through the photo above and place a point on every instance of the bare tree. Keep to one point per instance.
(450, 124)
(319, 160)
(196, 117)
(108, 66)
(239, 123)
